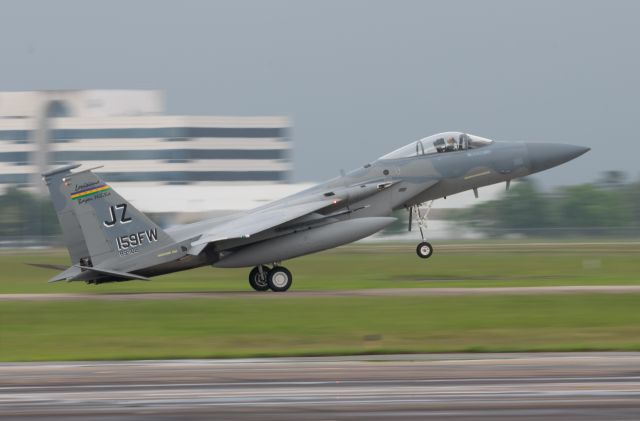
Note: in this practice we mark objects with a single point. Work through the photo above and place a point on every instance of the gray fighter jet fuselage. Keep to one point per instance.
(109, 240)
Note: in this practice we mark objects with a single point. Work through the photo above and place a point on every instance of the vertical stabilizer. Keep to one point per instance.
(71, 230)
(98, 224)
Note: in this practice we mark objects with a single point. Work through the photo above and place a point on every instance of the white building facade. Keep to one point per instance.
(220, 164)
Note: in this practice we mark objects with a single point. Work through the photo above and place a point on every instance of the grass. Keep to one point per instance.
(286, 326)
(248, 327)
(371, 266)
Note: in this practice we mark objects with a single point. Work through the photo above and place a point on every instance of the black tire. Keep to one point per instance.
(279, 279)
(424, 250)
(255, 281)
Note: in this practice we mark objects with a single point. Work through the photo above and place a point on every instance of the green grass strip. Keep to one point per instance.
(253, 327)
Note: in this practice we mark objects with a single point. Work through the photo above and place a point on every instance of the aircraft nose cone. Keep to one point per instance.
(543, 156)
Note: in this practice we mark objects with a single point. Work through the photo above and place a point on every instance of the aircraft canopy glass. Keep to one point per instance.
(439, 143)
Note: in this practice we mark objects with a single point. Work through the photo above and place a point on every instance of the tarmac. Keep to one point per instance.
(567, 386)
(374, 292)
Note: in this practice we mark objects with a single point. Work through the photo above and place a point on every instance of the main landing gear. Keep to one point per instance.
(276, 279)
(424, 249)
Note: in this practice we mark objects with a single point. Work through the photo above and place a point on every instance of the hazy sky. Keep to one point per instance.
(358, 78)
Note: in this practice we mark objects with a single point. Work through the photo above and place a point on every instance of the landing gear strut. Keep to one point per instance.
(424, 249)
(277, 279)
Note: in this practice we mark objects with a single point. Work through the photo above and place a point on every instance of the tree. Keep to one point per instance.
(589, 206)
(613, 178)
(523, 207)
(631, 196)
(24, 214)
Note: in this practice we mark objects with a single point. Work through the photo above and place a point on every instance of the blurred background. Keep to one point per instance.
(197, 109)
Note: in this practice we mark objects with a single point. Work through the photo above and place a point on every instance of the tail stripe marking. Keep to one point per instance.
(89, 192)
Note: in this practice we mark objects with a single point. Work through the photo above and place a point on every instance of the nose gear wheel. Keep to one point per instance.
(424, 249)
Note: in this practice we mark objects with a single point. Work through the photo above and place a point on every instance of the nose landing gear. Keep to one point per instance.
(276, 279)
(424, 249)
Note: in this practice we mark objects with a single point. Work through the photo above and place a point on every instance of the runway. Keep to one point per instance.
(373, 292)
(570, 386)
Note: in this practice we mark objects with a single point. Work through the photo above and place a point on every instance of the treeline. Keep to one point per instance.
(24, 214)
(605, 207)
(608, 206)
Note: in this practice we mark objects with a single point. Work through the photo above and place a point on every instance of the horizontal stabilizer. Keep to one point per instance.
(123, 275)
(68, 274)
(47, 266)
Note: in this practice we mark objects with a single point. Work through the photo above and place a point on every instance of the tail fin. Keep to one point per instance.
(99, 226)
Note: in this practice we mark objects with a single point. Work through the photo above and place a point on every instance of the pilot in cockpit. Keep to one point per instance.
(439, 143)
(451, 144)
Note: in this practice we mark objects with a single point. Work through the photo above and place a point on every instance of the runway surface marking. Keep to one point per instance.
(450, 386)
(379, 292)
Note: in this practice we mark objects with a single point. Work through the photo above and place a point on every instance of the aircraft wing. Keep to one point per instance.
(253, 223)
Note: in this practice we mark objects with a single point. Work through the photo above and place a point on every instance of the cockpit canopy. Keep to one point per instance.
(439, 143)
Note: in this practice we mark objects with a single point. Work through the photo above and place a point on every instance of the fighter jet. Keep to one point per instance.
(109, 240)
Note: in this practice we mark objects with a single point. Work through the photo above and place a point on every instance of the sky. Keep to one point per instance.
(357, 78)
